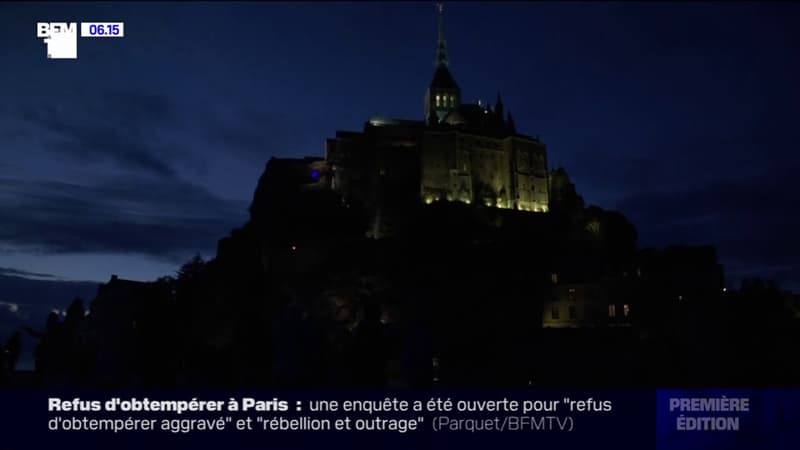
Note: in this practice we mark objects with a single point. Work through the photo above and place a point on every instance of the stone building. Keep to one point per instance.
(470, 153)
(578, 303)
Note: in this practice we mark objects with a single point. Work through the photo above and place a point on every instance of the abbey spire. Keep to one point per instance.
(441, 49)
(443, 95)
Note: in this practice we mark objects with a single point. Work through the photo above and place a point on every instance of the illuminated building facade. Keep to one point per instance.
(470, 153)
(576, 304)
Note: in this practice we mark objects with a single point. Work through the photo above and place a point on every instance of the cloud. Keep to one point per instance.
(125, 128)
(149, 208)
(166, 218)
(11, 307)
(5, 271)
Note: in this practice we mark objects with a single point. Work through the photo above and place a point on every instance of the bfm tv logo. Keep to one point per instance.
(61, 39)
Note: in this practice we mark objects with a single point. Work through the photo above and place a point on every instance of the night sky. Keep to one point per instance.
(147, 149)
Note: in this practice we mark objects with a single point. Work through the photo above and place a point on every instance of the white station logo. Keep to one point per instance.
(61, 39)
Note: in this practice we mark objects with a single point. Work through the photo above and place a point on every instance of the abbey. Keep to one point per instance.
(458, 152)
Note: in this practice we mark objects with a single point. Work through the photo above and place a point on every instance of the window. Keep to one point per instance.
(572, 314)
(571, 294)
(452, 100)
(612, 311)
(438, 100)
(554, 278)
(554, 313)
(626, 310)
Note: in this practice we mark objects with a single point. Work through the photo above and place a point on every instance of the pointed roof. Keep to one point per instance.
(442, 78)
(498, 106)
(510, 122)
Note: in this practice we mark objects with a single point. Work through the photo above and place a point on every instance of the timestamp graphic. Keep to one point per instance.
(102, 29)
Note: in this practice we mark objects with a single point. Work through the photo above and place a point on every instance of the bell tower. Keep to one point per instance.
(443, 94)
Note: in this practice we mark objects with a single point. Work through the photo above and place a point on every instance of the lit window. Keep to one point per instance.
(554, 313)
(626, 310)
(452, 100)
(612, 310)
(554, 278)
(438, 100)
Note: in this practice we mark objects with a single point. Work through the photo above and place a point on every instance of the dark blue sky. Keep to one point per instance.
(147, 149)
